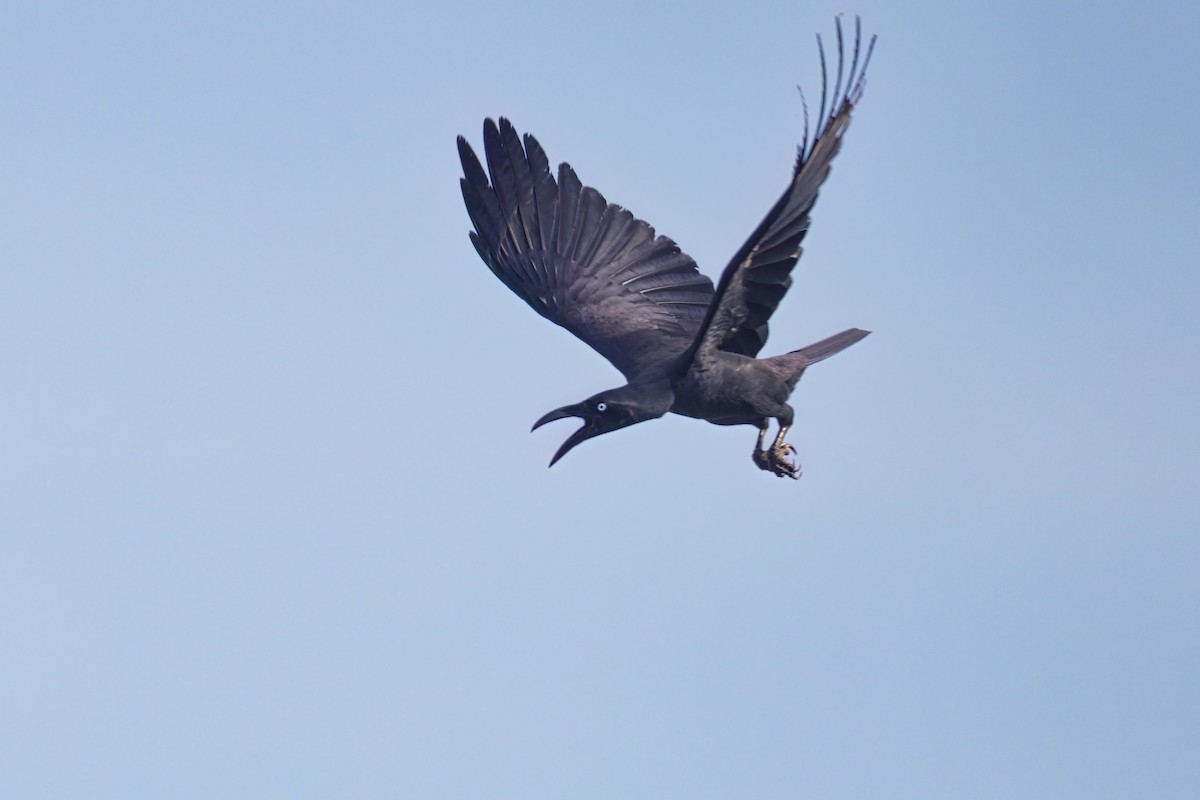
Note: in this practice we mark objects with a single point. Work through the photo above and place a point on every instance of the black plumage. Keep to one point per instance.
(637, 299)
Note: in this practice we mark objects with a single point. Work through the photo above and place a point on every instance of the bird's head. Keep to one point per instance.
(607, 411)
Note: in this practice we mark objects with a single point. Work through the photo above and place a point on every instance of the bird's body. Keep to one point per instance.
(684, 346)
(734, 390)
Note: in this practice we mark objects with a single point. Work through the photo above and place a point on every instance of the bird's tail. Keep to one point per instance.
(819, 351)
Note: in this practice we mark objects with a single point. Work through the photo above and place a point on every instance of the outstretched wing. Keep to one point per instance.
(759, 275)
(579, 261)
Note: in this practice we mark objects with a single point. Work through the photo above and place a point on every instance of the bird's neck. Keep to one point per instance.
(650, 396)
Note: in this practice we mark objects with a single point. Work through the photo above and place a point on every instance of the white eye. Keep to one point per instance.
(602, 406)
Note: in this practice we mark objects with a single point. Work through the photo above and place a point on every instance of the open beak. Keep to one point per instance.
(588, 430)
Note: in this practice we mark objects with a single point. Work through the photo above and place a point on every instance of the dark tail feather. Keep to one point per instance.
(825, 348)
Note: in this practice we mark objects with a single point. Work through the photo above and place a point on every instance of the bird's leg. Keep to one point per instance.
(780, 450)
(759, 455)
(776, 459)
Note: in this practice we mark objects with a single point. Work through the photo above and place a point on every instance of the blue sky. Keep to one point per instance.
(273, 523)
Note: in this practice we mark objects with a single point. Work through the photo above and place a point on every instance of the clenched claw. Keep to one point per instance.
(781, 465)
(776, 461)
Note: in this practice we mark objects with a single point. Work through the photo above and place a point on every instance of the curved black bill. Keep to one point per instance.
(586, 432)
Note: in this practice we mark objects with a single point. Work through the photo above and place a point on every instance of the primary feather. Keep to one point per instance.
(578, 260)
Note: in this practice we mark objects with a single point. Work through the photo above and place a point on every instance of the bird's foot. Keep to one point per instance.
(776, 461)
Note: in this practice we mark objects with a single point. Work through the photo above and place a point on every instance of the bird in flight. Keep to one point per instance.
(595, 269)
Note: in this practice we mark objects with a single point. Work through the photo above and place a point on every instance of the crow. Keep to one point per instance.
(637, 299)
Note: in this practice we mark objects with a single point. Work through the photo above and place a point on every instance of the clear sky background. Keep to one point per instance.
(272, 523)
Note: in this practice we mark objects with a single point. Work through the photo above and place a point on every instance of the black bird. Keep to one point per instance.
(601, 273)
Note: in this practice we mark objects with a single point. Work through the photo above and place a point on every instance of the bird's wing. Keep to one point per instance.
(579, 261)
(760, 274)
